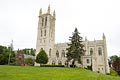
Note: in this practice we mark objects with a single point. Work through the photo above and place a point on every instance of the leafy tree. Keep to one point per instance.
(75, 49)
(25, 51)
(29, 51)
(113, 58)
(5, 52)
(42, 57)
(32, 51)
(116, 65)
(114, 62)
(29, 61)
(3, 55)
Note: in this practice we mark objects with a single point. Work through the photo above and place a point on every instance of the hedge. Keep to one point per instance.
(43, 65)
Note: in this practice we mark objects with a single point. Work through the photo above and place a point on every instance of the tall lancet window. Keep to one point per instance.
(57, 53)
(53, 62)
(59, 63)
(63, 53)
(41, 33)
(91, 51)
(45, 32)
(42, 21)
(45, 21)
(50, 52)
(100, 51)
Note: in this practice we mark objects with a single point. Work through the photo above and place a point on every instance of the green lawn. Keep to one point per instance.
(49, 73)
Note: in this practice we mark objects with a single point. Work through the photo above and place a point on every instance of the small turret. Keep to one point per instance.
(94, 39)
(40, 13)
(48, 9)
(85, 38)
(104, 36)
(54, 14)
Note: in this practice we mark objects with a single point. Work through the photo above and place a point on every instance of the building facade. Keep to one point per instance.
(96, 51)
(21, 58)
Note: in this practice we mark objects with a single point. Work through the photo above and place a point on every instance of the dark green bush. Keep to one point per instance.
(107, 73)
(29, 61)
(42, 57)
(51, 65)
(73, 66)
(14, 64)
(89, 68)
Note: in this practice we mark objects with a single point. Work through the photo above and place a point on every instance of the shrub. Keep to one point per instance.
(113, 72)
(42, 57)
(89, 67)
(51, 65)
(72, 66)
(14, 64)
(29, 61)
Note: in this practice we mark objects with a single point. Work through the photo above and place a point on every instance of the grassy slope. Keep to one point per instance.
(49, 73)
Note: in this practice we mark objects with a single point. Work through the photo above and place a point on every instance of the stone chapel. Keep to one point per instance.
(96, 51)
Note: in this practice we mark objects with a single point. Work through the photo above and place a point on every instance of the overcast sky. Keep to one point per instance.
(19, 21)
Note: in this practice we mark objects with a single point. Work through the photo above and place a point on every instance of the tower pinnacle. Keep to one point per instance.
(54, 15)
(48, 9)
(103, 36)
(40, 13)
(85, 38)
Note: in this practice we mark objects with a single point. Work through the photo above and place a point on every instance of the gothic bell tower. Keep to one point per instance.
(46, 32)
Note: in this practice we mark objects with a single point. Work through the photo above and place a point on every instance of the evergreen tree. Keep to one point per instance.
(75, 49)
(42, 57)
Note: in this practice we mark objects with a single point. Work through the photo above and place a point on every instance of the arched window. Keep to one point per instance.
(91, 51)
(88, 61)
(57, 53)
(100, 51)
(102, 68)
(50, 52)
(44, 40)
(45, 32)
(41, 33)
(53, 62)
(63, 53)
(45, 21)
(59, 63)
(42, 21)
